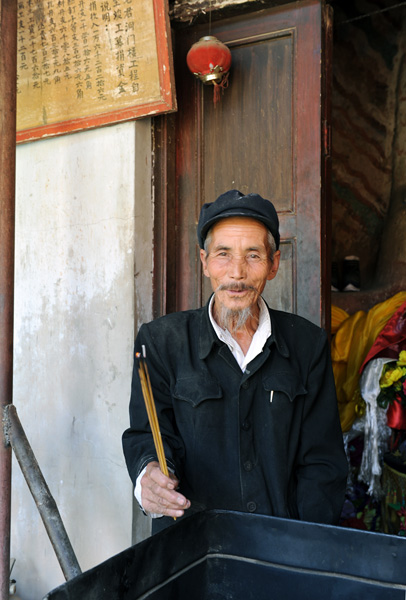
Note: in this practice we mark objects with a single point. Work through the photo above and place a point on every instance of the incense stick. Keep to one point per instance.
(151, 410)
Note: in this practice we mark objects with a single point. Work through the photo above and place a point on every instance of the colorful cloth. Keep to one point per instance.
(353, 340)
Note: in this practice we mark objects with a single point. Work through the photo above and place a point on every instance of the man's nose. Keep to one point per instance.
(237, 267)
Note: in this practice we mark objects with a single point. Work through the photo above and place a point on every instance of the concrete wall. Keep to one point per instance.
(83, 230)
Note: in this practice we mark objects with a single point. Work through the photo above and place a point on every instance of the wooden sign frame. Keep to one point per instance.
(45, 109)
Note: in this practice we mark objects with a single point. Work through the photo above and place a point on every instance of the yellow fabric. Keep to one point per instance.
(338, 315)
(351, 343)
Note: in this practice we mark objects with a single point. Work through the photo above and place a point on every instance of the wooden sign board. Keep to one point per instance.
(86, 63)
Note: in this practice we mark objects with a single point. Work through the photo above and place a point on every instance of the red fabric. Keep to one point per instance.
(396, 415)
(391, 340)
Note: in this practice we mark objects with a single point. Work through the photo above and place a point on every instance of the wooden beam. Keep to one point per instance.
(8, 53)
(192, 12)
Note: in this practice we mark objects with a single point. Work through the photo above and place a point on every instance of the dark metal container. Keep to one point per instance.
(238, 556)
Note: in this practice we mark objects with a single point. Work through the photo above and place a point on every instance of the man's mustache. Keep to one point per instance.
(235, 287)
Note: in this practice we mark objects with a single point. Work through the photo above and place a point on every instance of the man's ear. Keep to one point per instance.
(273, 269)
(203, 259)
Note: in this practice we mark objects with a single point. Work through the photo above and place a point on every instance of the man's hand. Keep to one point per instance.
(158, 493)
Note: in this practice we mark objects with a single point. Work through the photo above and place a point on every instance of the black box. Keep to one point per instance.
(240, 556)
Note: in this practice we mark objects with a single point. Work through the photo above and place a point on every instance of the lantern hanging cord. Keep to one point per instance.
(371, 14)
(210, 18)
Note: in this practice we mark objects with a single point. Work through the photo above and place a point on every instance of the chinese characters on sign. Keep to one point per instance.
(84, 63)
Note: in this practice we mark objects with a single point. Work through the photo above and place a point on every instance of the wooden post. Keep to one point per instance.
(43, 498)
(8, 79)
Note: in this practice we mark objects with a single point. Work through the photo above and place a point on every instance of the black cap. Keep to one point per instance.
(235, 204)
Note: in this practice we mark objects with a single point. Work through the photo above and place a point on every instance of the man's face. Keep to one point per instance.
(238, 262)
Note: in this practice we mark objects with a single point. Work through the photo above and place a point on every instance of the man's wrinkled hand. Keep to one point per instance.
(159, 495)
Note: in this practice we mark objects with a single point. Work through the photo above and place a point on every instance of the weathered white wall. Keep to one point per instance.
(83, 229)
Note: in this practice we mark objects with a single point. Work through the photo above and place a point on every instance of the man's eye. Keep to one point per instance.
(254, 257)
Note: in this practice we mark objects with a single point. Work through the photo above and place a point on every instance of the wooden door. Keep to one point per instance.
(266, 135)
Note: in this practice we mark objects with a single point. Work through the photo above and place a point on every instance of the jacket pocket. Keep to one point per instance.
(286, 382)
(197, 389)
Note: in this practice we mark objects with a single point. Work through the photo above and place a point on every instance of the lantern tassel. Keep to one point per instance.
(219, 87)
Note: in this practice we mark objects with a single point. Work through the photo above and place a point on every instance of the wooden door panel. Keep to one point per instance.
(248, 134)
(264, 136)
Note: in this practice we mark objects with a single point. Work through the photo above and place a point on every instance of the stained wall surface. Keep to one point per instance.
(369, 137)
(83, 230)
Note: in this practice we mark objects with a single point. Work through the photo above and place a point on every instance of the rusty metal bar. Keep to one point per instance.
(44, 500)
(8, 78)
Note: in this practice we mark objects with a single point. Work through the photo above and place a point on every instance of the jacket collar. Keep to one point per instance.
(277, 336)
(208, 337)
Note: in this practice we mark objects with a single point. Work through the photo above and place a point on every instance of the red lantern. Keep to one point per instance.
(210, 61)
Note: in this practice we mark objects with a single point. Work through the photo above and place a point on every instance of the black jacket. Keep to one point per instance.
(229, 444)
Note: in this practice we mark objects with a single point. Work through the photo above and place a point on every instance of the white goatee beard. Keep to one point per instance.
(231, 319)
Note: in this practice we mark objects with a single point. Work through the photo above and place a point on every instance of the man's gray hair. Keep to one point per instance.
(270, 240)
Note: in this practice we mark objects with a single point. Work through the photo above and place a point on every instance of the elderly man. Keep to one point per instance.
(244, 394)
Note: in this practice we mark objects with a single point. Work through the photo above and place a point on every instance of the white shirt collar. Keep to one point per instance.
(259, 338)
